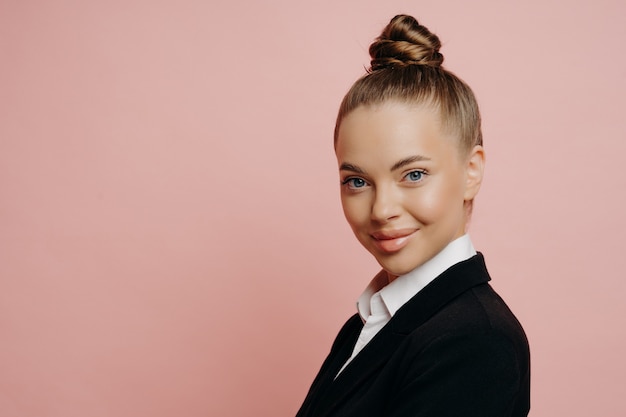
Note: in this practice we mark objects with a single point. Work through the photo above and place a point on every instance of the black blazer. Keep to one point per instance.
(454, 349)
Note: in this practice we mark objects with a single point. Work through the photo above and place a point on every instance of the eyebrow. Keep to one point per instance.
(349, 167)
(406, 161)
(401, 163)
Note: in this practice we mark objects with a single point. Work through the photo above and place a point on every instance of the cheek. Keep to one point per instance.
(425, 206)
(434, 203)
(355, 210)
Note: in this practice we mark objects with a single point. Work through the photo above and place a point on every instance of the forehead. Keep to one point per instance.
(392, 130)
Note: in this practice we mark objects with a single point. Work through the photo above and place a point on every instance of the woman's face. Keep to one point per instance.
(404, 183)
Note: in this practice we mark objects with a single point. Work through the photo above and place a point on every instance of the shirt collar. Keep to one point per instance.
(395, 294)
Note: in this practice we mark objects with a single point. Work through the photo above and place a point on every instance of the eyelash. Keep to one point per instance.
(350, 183)
(421, 177)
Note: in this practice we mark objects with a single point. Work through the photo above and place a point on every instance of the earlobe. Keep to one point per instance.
(474, 172)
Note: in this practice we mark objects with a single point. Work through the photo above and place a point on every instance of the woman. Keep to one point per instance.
(431, 337)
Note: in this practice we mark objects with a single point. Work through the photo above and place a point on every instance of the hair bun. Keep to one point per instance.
(405, 42)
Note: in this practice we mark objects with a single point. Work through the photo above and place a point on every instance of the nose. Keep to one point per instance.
(387, 204)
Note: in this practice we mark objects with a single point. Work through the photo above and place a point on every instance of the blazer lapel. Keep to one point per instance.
(449, 285)
(373, 356)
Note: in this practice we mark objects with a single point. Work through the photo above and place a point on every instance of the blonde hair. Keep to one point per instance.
(406, 67)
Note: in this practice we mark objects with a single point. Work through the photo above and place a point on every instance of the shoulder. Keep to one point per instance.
(474, 340)
(473, 353)
(482, 311)
(478, 315)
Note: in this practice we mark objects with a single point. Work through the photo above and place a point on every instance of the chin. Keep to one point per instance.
(395, 269)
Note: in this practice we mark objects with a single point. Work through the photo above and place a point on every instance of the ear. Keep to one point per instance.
(474, 169)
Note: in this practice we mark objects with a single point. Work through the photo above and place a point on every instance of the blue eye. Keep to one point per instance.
(415, 176)
(354, 182)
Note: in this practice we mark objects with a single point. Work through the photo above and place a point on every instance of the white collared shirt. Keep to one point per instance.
(381, 299)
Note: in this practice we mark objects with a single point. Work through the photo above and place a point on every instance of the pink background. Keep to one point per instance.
(171, 238)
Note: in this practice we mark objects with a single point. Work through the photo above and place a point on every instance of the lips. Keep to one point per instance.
(390, 241)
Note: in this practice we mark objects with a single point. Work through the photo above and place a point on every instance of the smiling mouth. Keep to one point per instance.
(393, 240)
